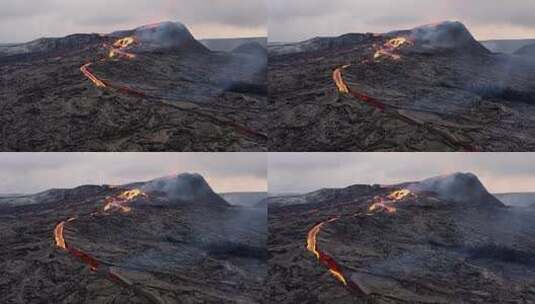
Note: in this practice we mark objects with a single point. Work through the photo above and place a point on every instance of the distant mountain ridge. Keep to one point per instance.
(519, 199)
(180, 188)
(245, 199)
(229, 44)
(507, 46)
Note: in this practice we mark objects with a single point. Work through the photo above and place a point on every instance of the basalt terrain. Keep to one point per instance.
(171, 240)
(154, 88)
(442, 240)
(432, 88)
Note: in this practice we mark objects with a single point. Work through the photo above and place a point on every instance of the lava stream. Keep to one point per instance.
(61, 243)
(323, 258)
(389, 48)
(379, 204)
(345, 89)
(119, 201)
(87, 73)
(117, 50)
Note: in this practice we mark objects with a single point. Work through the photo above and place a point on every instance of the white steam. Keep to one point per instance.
(457, 187)
(164, 35)
(186, 187)
(448, 34)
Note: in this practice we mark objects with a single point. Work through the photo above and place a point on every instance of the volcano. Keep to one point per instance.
(430, 88)
(440, 240)
(167, 240)
(152, 88)
(185, 188)
(463, 188)
(164, 36)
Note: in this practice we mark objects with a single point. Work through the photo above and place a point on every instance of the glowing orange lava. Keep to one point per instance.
(345, 89)
(85, 70)
(58, 234)
(390, 47)
(324, 259)
(124, 42)
(121, 201)
(339, 81)
(380, 203)
(121, 44)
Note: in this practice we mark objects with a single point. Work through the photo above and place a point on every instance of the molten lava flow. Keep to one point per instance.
(124, 42)
(324, 259)
(86, 259)
(380, 203)
(339, 81)
(116, 52)
(85, 70)
(58, 234)
(390, 47)
(311, 239)
(121, 201)
(345, 89)
(121, 44)
(399, 195)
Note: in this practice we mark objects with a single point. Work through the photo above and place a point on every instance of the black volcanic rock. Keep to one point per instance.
(441, 92)
(322, 196)
(428, 250)
(160, 252)
(163, 92)
(318, 44)
(47, 45)
(54, 195)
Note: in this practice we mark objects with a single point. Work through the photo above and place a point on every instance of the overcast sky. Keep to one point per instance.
(304, 172)
(34, 172)
(295, 20)
(24, 20)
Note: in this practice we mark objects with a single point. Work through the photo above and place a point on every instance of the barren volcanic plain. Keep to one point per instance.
(440, 240)
(432, 88)
(169, 240)
(154, 88)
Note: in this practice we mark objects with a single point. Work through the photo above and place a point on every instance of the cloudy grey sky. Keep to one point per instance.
(34, 172)
(304, 172)
(24, 20)
(294, 20)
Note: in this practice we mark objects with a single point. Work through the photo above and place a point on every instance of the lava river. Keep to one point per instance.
(388, 51)
(379, 204)
(118, 202)
(118, 50)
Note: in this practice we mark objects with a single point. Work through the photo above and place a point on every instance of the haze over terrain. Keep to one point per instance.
(298, 20)
(305, 172)
(31, 173)
(22, 21)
